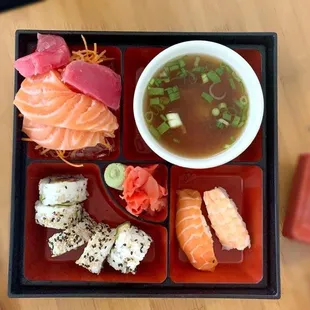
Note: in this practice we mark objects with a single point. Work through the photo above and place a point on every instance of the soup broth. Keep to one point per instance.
(196, 106)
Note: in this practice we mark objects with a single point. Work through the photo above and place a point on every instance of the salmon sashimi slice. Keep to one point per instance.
(225, 220)
(46, 100)
(56, 138)
(193, 232)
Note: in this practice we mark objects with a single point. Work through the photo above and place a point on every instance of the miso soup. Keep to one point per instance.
(196, 106)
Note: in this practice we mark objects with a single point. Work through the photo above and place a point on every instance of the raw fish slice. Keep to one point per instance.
(225, 220)
(45, 100)
(52, 52)
(57, 138)
(97, 81)
(193, 232)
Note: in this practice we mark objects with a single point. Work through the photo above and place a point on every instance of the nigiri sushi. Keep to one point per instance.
(63, 190)
(225, 220)
(46, 100)
(130, 248)
(193, 232)
(97, 249)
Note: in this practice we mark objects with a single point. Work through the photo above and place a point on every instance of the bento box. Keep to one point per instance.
(251, 179)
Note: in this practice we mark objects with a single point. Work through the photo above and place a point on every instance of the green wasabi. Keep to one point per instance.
(114, 175)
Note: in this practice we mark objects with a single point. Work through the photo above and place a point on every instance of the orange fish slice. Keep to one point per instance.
(57, 138)
(45, 100)
(193, 232)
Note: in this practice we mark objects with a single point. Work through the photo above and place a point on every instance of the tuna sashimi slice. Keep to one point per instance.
(56, 138)
(142, 192)
(52, 52)
(44, 99)
(97, 81)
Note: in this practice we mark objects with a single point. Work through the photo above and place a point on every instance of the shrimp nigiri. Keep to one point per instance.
(225, 220)
(193, 232)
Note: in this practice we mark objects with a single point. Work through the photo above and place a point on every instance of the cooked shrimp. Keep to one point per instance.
(225, 220)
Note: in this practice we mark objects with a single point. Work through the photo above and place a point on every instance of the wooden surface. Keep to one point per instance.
(289, 18)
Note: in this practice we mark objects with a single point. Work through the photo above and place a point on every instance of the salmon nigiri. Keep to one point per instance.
(46, 100)
(225, 220)
(193, 232)
(56, 138)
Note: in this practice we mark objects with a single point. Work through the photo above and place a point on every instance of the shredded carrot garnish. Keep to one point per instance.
(88, 55)
(60, 155)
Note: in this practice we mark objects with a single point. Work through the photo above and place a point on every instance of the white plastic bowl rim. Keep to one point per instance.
(239, 65)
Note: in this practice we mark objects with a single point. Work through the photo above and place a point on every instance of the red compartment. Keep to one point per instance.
(161, 176)
(136, 59)
(244, 185)
(40, 266)
(115, 65)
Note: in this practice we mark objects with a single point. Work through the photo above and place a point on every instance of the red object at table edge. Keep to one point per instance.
(297, 220)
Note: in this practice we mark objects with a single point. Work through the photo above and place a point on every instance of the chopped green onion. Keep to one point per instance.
(155, 102)
(207, 97)
(163, 117)
(235, 76)
(228, 69)
(199, 69)
(212, 75)
(241, 124)
(149, 116)
(215, 112)
(223, 122)
(222, 106)
(236, 121)
(244, 115)
(232, 139)
(239, 104)
(158, 82)
(244, 100)
(227, 146)
(176, 140)
(153, 91)
(183, 72)
(154, 132)
(232, 83)
(169, 90)
(174, 96)
(175, 89)
(152, 81)
(227, 116)
(204, 78)
(174, 67)
(241, 87)
(164, 100)
(172, 63)
(162, 128)
(219, 125)
(182, 63)
(196, 62)
(219, 70)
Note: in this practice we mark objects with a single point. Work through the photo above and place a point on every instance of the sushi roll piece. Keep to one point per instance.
(130, 248)
(97, 249)
(57, 217)
(73, 237)
(63, 190)
(226, 220)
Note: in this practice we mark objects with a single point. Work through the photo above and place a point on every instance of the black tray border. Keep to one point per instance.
(18, 286)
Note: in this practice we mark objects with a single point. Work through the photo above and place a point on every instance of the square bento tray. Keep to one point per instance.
(251, 179)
